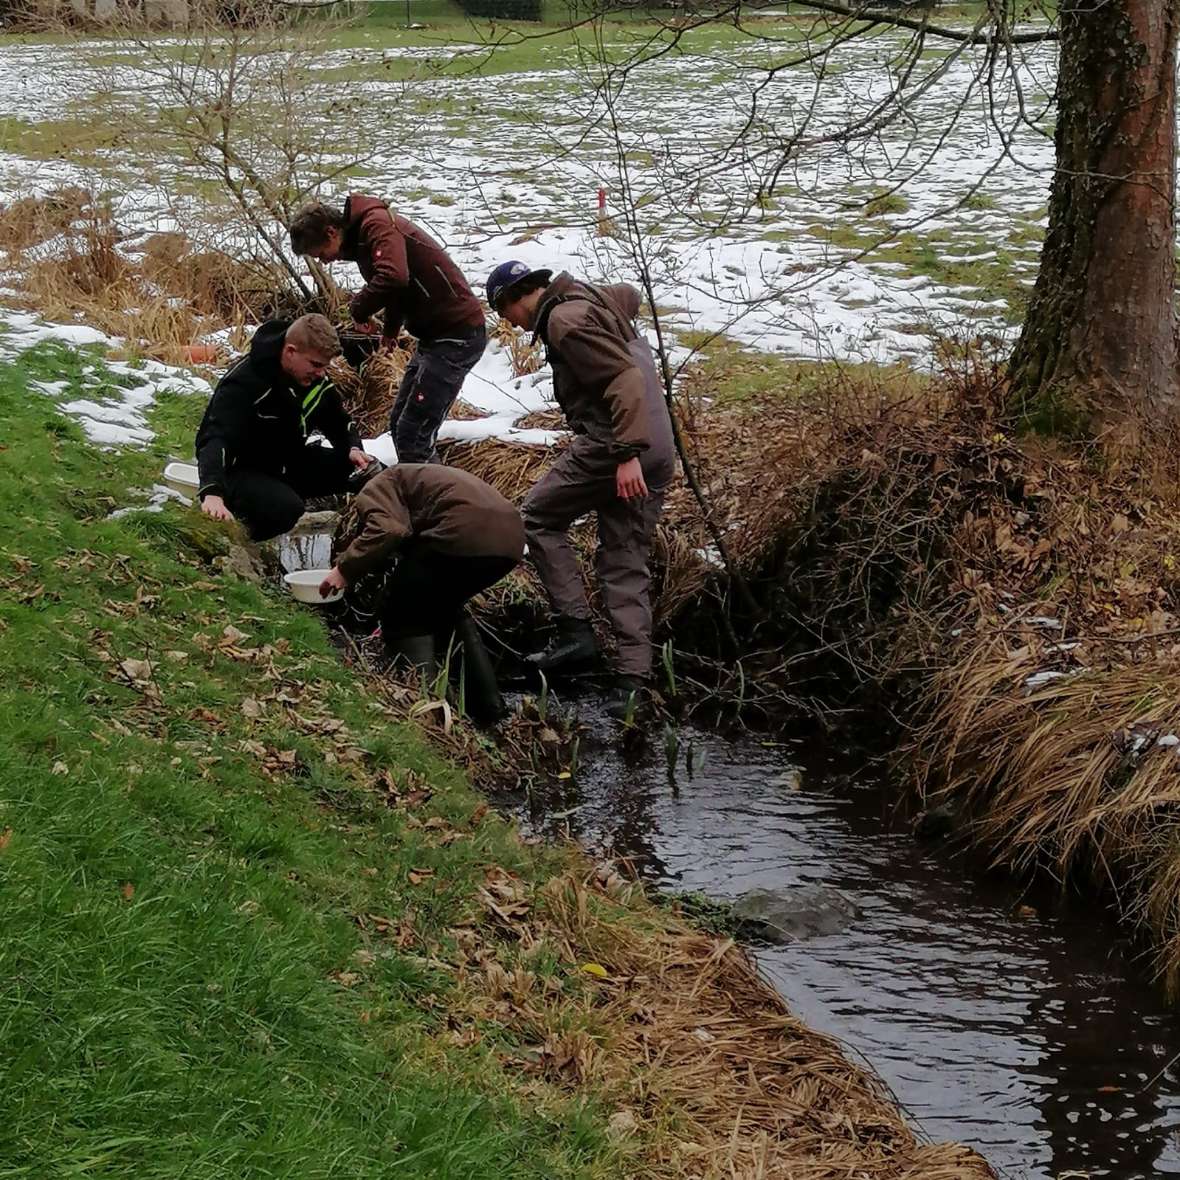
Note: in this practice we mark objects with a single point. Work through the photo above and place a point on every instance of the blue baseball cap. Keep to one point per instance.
(508, 274)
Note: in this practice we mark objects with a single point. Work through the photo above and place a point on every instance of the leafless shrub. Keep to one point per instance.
(246, 118)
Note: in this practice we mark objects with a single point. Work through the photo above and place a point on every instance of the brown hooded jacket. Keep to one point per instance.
(407, 274)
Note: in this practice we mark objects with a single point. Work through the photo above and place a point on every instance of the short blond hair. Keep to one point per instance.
(314, 333)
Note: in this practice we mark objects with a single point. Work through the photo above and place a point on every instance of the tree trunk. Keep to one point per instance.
(1098, 346)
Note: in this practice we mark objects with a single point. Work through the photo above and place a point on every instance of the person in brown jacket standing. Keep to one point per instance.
(412, 280)
(618, 466)
(453, 535)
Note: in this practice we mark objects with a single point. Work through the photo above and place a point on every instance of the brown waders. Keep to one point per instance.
(583, 481)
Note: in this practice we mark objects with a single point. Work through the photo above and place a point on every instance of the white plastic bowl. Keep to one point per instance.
(305, 585)
(183, 478)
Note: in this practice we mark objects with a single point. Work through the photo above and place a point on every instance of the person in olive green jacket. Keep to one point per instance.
(619, 465)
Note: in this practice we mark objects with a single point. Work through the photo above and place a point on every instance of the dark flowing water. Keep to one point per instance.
(1012, 1022)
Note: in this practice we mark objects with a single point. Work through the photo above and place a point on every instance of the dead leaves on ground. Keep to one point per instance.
(401, 932)
(505, 897)
(406, 788)
(273, 762)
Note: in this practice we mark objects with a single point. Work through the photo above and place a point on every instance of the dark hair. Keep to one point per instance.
(523, 287)
(310, 226)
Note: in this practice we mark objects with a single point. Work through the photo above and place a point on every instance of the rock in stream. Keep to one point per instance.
(797, 912)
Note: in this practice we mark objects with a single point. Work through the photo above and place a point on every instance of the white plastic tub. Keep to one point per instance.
(305, 585)
(183, 478)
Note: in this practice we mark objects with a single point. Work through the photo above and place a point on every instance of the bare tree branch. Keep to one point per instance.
(882, 16)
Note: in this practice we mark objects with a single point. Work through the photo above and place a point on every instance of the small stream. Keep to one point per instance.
(1014, 1022)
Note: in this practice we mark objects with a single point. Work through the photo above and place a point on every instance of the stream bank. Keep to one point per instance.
(1001, 1017)
(1012, 1020)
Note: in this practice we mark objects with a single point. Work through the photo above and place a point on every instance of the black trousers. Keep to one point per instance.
(427, 590)
(431, 383)
(271, 504)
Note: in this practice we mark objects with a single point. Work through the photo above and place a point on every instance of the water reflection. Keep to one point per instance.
(1013, 1023)
(305, 551)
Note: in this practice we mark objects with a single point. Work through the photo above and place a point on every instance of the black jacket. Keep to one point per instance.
(258, 418)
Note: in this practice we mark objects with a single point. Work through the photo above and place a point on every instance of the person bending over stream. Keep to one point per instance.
(414, 283)
(253, 455)
(618, 466)
(452, 535)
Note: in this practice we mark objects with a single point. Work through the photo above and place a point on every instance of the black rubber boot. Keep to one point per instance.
(481, 695)
(574, 649)
(417, 651)
(627, 697)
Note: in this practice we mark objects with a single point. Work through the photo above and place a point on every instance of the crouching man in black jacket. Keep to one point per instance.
(253, 454)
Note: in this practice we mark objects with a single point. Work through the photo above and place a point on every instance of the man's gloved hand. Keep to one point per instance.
(362, 474)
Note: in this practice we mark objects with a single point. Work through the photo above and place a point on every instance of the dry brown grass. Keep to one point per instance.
(527, 356)
(215, 284)
(550, 419)
(369, 394)
(1080, 773)
(90, 279)
(704, 1065)
(29, 221)
(160, 297)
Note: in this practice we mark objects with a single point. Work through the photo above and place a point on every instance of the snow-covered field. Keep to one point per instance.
(510, 165)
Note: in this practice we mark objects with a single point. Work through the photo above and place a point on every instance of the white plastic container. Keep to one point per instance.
(305, 585)
(183, 478)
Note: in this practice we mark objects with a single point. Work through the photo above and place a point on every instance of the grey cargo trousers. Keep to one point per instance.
(583, 481)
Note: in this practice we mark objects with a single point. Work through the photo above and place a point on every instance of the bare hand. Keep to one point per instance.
(367, 328)
(214, 506)
(629, 480)
(388, 343)
(359, 458)
(332, 583)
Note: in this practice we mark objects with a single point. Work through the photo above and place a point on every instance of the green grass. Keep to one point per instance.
(187, 988)
(73, 138)
(731, 373)
(886, 203)
(979, 202)
(994, 278)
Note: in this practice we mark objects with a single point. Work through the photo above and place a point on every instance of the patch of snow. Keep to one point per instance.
(479, 429)
(157, 496)
(710, 555)
(122, 393)
(381, 448)
(1040, 679)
